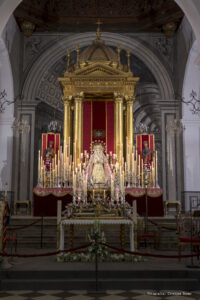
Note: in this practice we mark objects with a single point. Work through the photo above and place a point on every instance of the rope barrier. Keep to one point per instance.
(156, 224)
(47, 253)
(103, 244)
(149, 254)
(4, 229)
(23, 227)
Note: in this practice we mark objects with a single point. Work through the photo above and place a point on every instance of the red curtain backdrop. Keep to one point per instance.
(99, 119)
(98, 115)
(110, 126)
(87, 126)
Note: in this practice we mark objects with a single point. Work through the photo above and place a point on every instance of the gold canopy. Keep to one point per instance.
(98, 73)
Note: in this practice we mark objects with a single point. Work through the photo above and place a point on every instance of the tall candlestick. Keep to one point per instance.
(139, 168)
(69, 147)
(156, 169)
(142, 172)
(39, 166)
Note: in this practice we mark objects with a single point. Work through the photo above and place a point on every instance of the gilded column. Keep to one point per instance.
(129, 120)
(67, 119)
(78, 127)
(119, 126)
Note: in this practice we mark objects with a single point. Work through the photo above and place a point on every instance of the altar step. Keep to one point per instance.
(30, 237)
(185, 280)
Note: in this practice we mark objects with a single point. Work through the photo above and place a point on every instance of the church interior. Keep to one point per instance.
(99, 143)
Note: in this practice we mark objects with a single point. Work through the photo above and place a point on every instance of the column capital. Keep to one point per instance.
(118, 97)
(67, 99)
(78, 96)
(129, 99)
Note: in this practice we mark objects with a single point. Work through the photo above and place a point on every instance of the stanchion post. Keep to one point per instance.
(134, 218)
(41, 232)
(59, 211)
(191, 265)
(96, 237)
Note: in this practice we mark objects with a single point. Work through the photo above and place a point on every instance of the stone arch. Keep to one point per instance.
(54, 53)
(191, 9)
(191, 137)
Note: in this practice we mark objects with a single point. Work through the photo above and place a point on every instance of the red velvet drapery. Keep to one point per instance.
(98, 123)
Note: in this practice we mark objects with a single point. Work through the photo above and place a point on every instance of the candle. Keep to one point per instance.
(132, 162)
(139, 168)
(142, 171)
(38, 166)
(69, 146)
(156, 170)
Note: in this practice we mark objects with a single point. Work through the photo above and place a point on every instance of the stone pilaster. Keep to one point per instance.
(23, 155)
(171, 152)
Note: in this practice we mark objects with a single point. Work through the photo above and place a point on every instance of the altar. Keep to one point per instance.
(96, 160)
(45, 200)
(72, 222)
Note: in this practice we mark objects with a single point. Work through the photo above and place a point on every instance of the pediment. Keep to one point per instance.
(99, 70)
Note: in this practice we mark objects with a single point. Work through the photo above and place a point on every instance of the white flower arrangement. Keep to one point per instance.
(102, 251)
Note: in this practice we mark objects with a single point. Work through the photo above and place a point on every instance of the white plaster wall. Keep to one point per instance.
(6, 119)
(9, 81)
(191, 135)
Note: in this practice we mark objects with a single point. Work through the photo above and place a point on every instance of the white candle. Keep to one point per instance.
(156, 170)
(139, 168)
(69, 147)
(142, 171)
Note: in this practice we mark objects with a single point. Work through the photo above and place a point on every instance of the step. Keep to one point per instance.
(136, 274)
(30, 237)
(103, 284)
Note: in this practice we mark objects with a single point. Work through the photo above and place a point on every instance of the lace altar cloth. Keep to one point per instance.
(54, 191)
(151, 192)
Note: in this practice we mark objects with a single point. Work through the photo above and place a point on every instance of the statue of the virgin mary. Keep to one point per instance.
(98, 166)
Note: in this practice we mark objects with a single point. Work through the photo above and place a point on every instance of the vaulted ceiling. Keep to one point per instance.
(116, 15)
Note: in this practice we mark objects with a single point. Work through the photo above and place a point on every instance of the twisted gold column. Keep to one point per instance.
(119, 127)
(78, 126)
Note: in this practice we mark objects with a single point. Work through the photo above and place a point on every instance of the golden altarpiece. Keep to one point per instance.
(98, 157)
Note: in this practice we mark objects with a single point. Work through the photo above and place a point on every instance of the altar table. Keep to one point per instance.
(153, 196)
(45, 200)
(100, 221)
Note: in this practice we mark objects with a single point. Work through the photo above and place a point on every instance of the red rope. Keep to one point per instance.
(25, 226)
(165, 227)
(47, 253)
(149, 254)
(4, 229)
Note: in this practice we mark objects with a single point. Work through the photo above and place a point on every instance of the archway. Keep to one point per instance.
(164, 93)
(191, 9)
(191, 137)
(136, 47)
